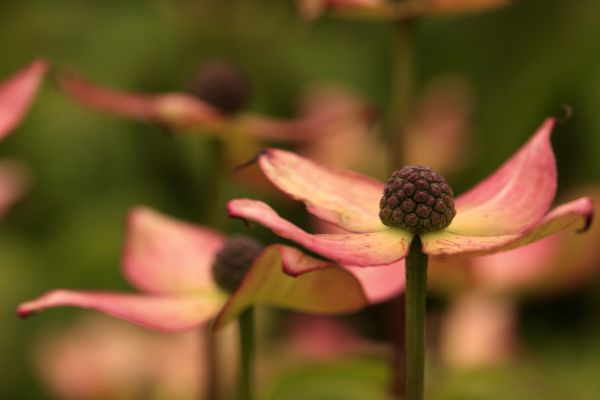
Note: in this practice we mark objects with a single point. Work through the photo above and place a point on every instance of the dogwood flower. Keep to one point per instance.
(509, 209)
(183, 112)
(16, 96)
(170, 262)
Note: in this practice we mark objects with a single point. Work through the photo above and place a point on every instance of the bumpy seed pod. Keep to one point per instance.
(234, 260)
(223, 85)
(417, 199)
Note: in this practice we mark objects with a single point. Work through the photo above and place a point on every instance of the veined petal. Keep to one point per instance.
(165, 313)
(17, 93)
(577, 213)
(176, 110)
(515, 197)
(364, 249)
(324, 289)
(167, 256)
(344, 198)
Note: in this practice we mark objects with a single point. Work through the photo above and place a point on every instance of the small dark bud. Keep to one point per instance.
(417, 199)
(234, 260)
(222, 85)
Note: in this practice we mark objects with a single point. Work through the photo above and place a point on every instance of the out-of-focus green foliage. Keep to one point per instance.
(523, 63)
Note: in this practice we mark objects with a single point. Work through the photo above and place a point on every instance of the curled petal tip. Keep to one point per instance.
(589, 214)
(567, 113)
(249, 162)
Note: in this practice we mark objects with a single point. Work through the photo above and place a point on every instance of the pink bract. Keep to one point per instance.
(170, 262)
(17, 94)
(184, 112)
(509, 209)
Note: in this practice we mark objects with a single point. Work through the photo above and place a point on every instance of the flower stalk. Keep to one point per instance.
(402, 82)
(247, 340)
(415, 307)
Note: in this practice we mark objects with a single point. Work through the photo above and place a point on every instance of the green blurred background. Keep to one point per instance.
(523, 63)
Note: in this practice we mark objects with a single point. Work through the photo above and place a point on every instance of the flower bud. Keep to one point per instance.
(222, 85)
(234, 260)
(417, 199)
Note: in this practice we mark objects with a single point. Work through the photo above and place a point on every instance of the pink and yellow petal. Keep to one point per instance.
(165, 313)
(379, 283)
(17, 93)
(168, 256)
(344, 198)
(362, 249)
(322, 290)
(577, 214)
(514, 198)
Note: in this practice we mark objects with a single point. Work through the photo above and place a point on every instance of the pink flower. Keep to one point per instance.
(16, 96)
(509, 209)
(170, 262)
(188, 113)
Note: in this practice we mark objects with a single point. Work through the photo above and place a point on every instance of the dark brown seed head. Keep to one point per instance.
(223, 85)
(234, 260)
(417, 199)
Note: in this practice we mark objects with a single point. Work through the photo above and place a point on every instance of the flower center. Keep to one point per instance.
(417, 199)
(234, 260)
(222, 85)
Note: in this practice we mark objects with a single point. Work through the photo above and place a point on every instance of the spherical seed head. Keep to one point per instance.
(417, 199)
(234, 260)
(223, 85)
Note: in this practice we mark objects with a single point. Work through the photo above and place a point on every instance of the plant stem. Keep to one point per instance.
(416, 298)
(403, 74)
(246, 326)
(210, 355)
(402, 82)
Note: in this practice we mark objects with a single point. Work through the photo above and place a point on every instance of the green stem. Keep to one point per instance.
(402, 81)
(246, 326)
(400, 100)
(416, 298)
(210, 356)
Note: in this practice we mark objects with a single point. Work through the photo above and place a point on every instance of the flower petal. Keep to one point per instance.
(324, 289)
(344, 198)
(515, 197)
(14, 181)
(364, 249)
(382, 282)
(379, 283)
(17, 93)
(175, 110)
(165, 313)
(167, 256)
(577, 213)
